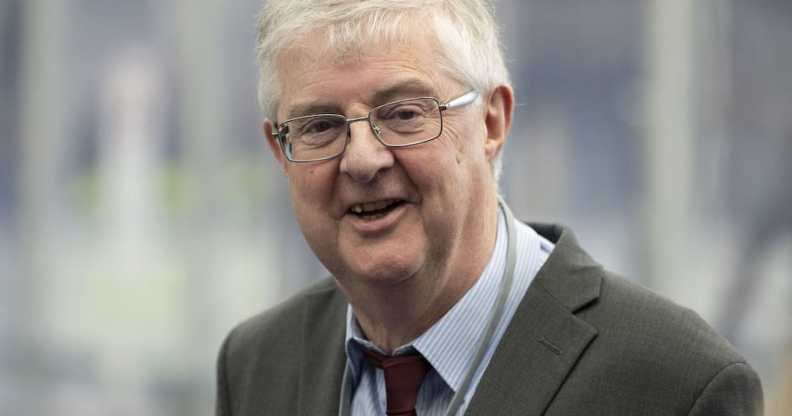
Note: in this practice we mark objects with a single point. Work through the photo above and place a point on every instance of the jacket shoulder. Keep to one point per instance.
(259, 369)
(664, 351)
(628, 309)
(662, 356)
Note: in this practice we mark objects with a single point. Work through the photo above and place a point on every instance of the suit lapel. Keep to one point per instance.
(323, 362)
(544, 339)
(540, 347)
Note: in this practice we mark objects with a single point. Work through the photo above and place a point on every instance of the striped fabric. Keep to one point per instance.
(450, 344)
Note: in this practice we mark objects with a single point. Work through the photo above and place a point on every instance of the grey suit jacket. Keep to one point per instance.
(582, 342)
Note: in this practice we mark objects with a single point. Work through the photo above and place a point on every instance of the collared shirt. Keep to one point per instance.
(450, 345)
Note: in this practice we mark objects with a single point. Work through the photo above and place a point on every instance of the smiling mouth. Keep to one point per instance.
(375, 210)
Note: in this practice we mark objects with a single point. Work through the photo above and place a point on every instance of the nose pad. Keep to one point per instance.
(365, 155)
(377, 130)
(363, 139)
(361, 132)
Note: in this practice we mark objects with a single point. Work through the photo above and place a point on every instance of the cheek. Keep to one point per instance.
(311, 193)
(461, 167)
(311, 185)
(311, 196)
(468, 140)
(458, 157)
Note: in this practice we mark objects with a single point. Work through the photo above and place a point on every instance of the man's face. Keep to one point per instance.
(433, 200)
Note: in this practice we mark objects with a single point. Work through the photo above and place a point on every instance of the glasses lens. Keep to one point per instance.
(407, 122)
(314, 137)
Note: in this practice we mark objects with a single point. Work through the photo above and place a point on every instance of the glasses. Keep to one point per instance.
(400, 123)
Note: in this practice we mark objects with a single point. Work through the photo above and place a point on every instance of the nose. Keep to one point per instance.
(364, 156)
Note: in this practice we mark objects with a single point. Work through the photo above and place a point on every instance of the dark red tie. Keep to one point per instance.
(403, 377)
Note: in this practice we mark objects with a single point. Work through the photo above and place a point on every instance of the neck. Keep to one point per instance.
(392, 316)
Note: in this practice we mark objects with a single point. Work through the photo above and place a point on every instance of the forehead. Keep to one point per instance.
(312, 71)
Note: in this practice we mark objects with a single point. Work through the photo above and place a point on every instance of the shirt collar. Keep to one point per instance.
(451, 343)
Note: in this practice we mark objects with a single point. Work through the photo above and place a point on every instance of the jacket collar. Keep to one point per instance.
(545, 339)
(541, 345)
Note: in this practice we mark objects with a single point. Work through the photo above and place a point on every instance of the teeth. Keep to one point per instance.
(370, 206)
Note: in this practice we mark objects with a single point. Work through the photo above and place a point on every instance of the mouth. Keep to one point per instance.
(375, 210)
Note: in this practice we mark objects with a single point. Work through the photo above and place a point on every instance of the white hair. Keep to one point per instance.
(465, 30)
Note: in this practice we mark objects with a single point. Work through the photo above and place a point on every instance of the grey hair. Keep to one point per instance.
(465, 30)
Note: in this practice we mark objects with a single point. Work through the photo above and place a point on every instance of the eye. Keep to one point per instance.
(405, 112)
(319, 126)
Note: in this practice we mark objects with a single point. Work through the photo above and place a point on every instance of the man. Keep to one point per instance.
(388, 119)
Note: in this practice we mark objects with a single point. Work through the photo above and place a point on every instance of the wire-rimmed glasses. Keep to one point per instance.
(401, 123)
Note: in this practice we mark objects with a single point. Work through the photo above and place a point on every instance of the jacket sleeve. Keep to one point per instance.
(733, 391)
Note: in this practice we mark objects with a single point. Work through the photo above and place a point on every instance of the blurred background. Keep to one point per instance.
(142, 216)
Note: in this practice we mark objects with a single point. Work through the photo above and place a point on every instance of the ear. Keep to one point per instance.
(498, 118)
(268, 128)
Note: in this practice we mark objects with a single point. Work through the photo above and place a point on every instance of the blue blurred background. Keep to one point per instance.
(142, 216)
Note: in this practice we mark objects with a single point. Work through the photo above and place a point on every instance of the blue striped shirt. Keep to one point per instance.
(450, 344)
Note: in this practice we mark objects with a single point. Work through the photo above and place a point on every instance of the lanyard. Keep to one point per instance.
(483, 345)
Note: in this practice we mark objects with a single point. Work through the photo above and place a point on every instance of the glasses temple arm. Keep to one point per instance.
(462, 100)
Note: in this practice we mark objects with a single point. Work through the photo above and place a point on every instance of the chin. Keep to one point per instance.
(386, 273)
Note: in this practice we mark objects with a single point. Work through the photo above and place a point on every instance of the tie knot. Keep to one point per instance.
(403, 377)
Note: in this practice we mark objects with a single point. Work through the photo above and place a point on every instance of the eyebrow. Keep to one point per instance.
(310, 108)
(408, 88)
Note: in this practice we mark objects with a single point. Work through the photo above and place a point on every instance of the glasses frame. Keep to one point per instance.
(457, 102)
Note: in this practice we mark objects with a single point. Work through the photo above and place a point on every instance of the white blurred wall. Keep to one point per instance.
(141, 215)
